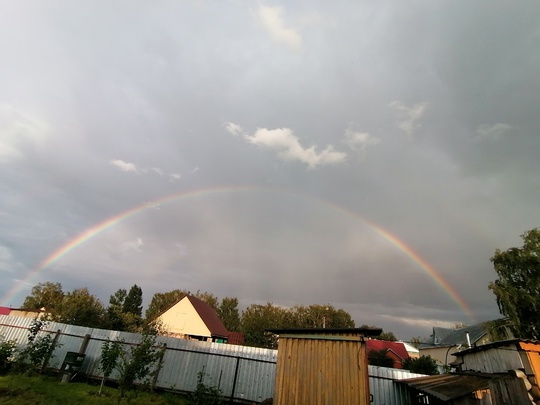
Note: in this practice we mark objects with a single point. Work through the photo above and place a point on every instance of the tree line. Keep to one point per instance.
(124, 312)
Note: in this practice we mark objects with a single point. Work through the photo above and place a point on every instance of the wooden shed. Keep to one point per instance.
(322, 366)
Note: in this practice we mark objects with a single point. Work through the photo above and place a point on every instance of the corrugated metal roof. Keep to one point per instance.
(451, 386)
(495, 344)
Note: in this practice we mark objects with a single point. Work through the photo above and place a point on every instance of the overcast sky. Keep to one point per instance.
(288, 152)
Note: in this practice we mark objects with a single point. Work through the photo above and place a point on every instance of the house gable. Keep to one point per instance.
(182, 319)
(191, 317)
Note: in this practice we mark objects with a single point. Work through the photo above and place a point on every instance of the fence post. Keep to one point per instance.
(49, 352)
(234, 381)
(84, 344)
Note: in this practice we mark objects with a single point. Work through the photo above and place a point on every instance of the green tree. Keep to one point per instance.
(422, 365)
(518, 287)
(133, 301)
(320, 316)
(229, 314)
(44, 295)
(380, 358)
(114, 310)
(81, 308)
(387, 336)
(256, 319)
(163, 301)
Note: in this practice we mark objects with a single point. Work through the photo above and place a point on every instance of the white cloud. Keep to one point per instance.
(174, 176)
(132, 245)
(496, 131)
(233, 129)
(18, 130)
(288, 147)
(157, 170)
(273, 22)
(124, 166)
(409, 115)
(359, 141)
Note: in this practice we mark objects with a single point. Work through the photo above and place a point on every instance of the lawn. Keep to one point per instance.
(47, 390)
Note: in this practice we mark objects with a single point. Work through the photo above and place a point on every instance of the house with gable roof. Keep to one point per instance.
(445, 341)
(191, 318)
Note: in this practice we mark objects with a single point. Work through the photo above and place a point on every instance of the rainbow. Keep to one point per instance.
(110, 222)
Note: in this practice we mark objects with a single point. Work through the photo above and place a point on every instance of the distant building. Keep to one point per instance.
(5, 310)
(445, 341)
(191, 318)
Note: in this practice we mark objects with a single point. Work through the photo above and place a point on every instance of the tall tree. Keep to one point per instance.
(81, 308)
(518, 286)
(162, 301)
(320, 316)
(256, 319)
(44, 295)
(229, 314)
(133, 301)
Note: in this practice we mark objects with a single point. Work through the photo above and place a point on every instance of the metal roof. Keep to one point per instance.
(328, 331)
(451, 386)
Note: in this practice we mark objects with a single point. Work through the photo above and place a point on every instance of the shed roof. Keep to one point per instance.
(328, 331)
(451, 386)
(209, 317)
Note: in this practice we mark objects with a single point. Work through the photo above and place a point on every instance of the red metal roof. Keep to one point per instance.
(209, 317)
(5, 310)
(397, 347)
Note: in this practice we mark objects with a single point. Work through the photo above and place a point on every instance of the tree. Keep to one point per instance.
(256, 319)
(44, 295)
(163, 301)
(416, 341)
(387, 336)
(422, 365)
(133, 302)
(81, 308)
(380, 358)
(518, 287)
(320, 316)
(229, 314)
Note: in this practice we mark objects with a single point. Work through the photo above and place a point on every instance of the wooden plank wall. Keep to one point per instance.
(320, 371)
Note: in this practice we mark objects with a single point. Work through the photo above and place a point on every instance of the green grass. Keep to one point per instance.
(47, 390)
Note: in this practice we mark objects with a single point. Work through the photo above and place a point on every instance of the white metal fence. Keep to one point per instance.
(241, 372)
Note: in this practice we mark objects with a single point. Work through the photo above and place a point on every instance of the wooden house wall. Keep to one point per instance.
(496, 360)
(320, 371)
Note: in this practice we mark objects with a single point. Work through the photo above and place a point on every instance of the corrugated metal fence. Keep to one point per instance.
(241, 372)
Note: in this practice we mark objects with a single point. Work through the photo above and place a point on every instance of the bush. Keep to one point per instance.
(7, 351)
(38, 350)
(422, 365)
(205, 394)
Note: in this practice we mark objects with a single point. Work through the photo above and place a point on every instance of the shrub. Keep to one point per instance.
(205, 394)
(7, 351)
